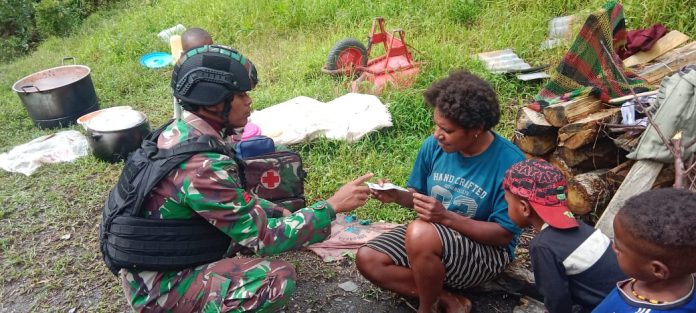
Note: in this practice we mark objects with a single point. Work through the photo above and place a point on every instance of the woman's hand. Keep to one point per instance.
(384, 196)
(429, 209)
(351, 195)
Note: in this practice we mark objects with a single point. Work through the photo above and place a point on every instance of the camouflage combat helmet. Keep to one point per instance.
(208, 75)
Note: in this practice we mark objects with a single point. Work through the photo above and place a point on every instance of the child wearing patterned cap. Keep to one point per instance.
(573, 263)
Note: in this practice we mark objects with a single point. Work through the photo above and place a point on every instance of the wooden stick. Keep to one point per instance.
(629, 97)
(679, 174)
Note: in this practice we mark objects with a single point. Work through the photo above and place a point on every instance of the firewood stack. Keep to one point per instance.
(581, 139)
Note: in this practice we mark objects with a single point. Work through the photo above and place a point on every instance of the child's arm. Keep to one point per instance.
(551, 280)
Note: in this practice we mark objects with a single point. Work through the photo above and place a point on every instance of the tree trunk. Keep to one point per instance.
(589, 192)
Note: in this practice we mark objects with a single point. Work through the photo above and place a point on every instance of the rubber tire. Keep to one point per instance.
(341, 47)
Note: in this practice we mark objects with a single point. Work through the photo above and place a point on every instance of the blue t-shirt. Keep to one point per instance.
(470, 186)
(619, 302)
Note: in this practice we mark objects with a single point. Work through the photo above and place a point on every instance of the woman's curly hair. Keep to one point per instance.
(464, 98)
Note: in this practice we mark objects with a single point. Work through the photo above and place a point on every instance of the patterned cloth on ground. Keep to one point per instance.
(346, 237)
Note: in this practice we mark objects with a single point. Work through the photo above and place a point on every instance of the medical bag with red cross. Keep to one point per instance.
(277, 177)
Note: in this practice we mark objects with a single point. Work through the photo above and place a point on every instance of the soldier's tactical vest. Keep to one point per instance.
(128, 240)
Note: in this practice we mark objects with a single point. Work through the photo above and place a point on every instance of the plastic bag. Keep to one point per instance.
(64, 146)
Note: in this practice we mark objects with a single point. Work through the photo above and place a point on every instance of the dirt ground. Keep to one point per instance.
(318, 291)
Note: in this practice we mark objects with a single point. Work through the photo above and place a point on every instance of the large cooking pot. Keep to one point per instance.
(114, 133)
(58, 96)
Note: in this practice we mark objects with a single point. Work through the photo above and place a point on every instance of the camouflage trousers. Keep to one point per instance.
(228, 285)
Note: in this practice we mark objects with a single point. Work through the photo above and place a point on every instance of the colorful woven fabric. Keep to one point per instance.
(587, 68)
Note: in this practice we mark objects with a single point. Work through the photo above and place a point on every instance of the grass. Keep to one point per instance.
(288, 41)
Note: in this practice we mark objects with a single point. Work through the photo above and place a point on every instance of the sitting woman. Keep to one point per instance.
(463, 235)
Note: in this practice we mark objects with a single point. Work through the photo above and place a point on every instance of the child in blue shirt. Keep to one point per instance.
(656, 245)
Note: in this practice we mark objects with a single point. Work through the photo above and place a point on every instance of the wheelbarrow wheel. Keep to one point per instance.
(346, 56)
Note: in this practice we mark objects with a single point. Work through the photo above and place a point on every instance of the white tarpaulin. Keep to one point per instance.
(64, 146)
(349, 117)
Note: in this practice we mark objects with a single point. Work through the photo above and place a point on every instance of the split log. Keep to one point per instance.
(589, 192)
(586, 130)
(669, 63)
(557, 161)
(560, 114)
(533, 123)
(639, 179)
(535, 145)
(668, 42)
(627, 141)
(603, 154)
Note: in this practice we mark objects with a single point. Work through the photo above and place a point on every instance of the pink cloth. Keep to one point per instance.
(250, 130)
(347, 238)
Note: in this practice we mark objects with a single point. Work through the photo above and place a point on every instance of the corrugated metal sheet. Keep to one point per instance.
(502, 61)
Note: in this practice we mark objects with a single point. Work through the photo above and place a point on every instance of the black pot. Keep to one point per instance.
(115, 145)
(58, 96)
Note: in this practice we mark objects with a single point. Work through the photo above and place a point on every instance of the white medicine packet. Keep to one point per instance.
(385, 186)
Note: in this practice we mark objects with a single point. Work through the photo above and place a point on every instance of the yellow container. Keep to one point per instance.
(175, 44)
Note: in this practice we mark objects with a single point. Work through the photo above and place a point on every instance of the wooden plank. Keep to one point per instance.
(560, 114)
(668, 42)
(640, 178)
(586, 130)
(533, 123)
(672, 62)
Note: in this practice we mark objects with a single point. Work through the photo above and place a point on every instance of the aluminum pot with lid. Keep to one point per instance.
(57, 96)
(114, 133)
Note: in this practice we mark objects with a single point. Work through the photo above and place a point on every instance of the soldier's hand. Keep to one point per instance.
(351, 195)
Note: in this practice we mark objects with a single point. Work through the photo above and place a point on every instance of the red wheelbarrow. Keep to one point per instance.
(396, 67)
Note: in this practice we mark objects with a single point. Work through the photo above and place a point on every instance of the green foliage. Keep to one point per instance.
(23, 23)
(58, 17)
(16, 28)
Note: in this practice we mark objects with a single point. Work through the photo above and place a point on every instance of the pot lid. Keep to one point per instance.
(108, 120)
(156, 60)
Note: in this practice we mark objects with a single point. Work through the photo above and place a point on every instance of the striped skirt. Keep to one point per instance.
(467, 262)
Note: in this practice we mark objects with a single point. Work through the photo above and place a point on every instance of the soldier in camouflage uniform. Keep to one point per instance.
(208, 185)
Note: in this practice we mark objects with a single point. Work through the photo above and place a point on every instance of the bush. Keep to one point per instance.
(57, 17)
(17, 31)
(23, 23)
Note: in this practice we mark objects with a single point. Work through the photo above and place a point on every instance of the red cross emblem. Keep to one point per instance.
(270, 179)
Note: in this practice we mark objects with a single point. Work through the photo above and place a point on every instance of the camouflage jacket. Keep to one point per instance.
(208, 184)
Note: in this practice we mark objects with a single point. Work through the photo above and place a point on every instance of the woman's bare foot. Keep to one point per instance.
(435, 308)
(451, 303)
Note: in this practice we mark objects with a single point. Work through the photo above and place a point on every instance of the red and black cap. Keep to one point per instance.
(544, 187)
